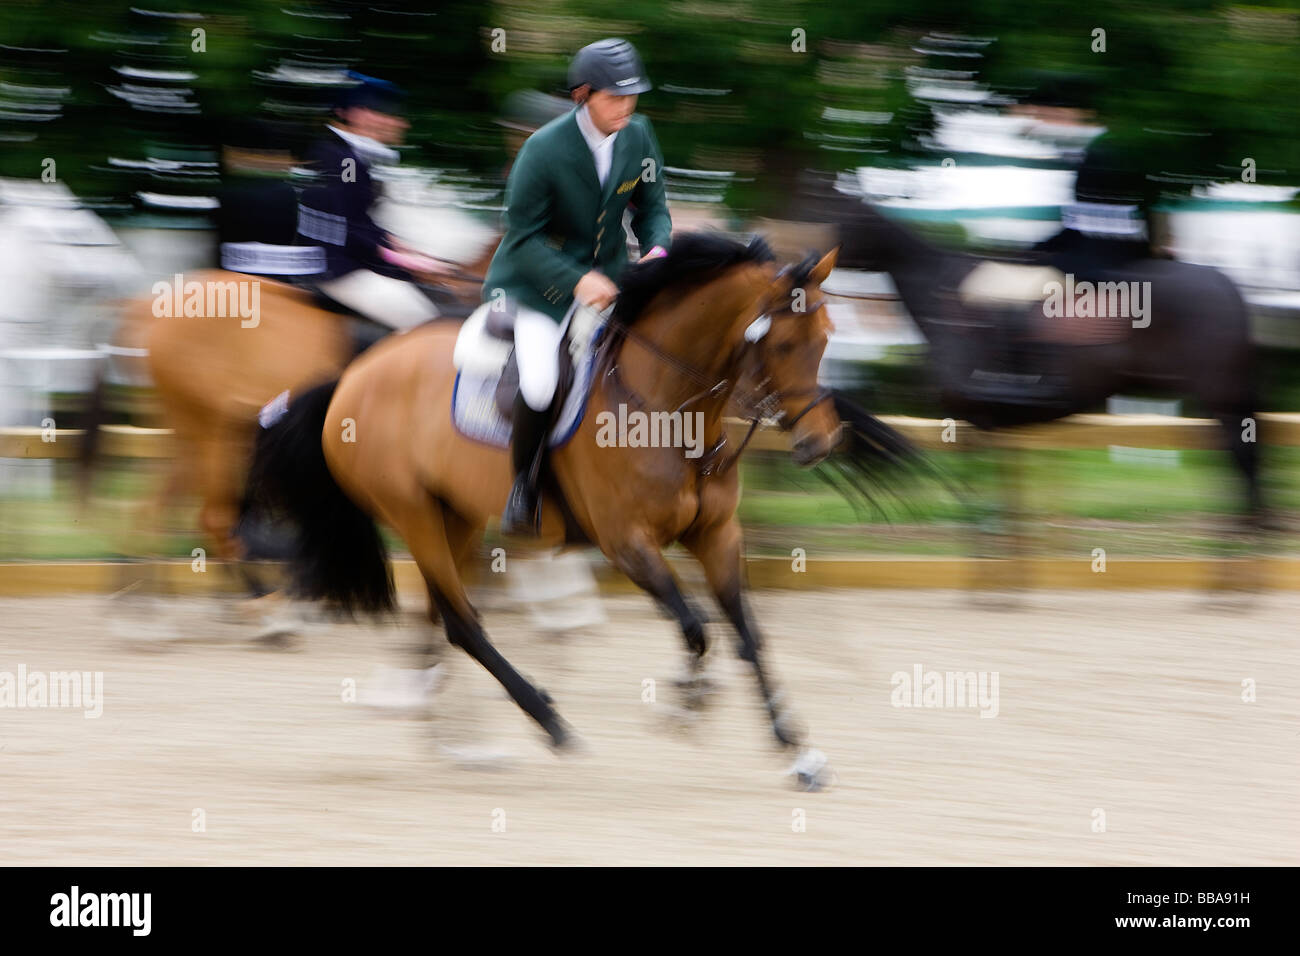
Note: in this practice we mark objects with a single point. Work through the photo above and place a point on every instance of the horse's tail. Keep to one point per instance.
(873, 456)
(340, 555)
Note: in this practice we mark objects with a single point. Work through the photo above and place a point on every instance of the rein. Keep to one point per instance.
(765, 406)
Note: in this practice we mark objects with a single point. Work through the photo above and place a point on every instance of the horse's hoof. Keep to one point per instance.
(278, 637)
(699, 690)
(678, 720)
(279, 626)
(811, 771)
(562, 739)
(789, 730)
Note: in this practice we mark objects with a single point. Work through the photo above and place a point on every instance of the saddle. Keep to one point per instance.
(991, 353)
(1006, 348)
(488, 374)
(1020, 293)
(487, 343)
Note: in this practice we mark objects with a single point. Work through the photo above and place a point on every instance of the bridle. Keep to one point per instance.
(759, 402)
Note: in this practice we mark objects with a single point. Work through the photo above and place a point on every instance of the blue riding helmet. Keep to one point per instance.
(372, 93)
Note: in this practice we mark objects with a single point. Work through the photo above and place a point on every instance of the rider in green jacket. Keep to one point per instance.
(565, 242)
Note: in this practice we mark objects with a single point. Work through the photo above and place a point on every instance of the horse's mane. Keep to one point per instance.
(692, 258)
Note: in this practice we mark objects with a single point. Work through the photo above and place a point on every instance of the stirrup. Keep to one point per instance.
(518, 519)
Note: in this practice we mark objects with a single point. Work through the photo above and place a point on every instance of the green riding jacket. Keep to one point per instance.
(560, 222)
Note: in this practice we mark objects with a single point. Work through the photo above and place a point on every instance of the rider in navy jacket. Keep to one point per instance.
(345, 191)
(366, 269)
(345, 194)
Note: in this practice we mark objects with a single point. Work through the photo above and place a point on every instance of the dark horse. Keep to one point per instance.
(1005, 363)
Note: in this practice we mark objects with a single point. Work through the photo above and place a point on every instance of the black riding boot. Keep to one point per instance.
(527, 447)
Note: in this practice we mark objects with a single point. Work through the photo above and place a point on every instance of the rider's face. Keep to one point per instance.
(609, 112)
(381, 127)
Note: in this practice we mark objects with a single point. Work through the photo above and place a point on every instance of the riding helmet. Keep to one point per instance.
(371, 93)
(610, 65)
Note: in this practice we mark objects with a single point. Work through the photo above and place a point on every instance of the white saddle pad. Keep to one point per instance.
(1002, 283)
(480, 359)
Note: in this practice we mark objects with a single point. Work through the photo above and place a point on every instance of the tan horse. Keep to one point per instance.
(382, 443)
(213, 374)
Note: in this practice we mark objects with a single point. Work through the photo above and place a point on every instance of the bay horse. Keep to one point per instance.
(1009, 365)
(212, 374)
(381, 444)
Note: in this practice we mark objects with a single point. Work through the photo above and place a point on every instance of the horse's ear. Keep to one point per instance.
(824, 267)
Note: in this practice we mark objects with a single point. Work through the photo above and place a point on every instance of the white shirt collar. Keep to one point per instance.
(370, 149)
(596, 140)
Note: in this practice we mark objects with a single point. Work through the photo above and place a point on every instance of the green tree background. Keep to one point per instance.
(1190, 88)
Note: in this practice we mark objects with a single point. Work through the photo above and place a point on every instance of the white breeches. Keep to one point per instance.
(537, 353)
(388, 301)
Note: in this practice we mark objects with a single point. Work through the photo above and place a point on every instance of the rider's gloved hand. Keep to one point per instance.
(413, 262)
(596, 290)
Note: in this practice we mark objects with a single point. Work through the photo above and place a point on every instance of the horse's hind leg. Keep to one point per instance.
(464, 631)
(1240, 434)
(461, 536)
(220, 483)
(1240, 431)
(994, 527)
(412, 689)
(421, 524)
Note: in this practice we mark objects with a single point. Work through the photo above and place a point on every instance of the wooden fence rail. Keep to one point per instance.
(1077, 431)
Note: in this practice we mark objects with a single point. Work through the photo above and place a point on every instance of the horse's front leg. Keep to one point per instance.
(718, 549)
(641, 560)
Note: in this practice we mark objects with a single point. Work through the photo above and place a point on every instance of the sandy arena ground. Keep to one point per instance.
(1124, 704)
